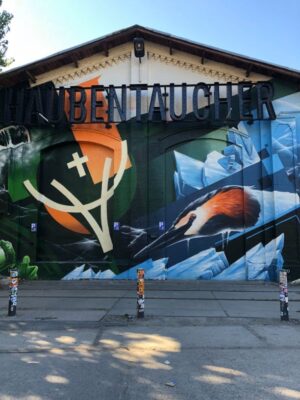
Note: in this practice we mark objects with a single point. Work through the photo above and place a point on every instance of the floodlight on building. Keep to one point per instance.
(139, 47)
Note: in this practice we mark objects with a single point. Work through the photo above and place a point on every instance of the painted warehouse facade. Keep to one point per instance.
(143, 149)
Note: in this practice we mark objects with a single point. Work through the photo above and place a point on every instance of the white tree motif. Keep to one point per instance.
(102, 233)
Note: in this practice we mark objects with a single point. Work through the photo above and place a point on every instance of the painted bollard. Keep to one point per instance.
(140, 293)
(13, 292)
(283, 296)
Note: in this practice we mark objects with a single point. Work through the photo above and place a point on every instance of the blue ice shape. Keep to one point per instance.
(263, 276)
(178, 185)
(235, 151)
(192, 175)
(190, 170)
(158, 270)
(205, 264)
(255, 262)
(284, 131)
(235, 272)
(259, 263)
(107, 274)
(189, 175)
(243, 140)
(238, 270)
(286, 153)
(273, 246)
(274, 204)
(213, 170)
(229, 164)
(285, 143)
(273, 164)
(88, 274)
(190, 262)
(132, 272)
(74, 274)
(270, 261)
(182, 189)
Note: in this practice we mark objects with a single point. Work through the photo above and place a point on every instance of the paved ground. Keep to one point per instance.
(199, 340)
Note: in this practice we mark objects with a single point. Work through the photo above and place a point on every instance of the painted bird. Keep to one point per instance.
(228, 209)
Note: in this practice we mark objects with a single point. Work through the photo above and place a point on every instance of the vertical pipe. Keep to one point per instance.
(13, 292)
(283, 296)
(140, 293)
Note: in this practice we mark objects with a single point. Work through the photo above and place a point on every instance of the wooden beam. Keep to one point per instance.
(248, 70)
(31, 77)
(202, 57)
(106, 51)
(75, 61)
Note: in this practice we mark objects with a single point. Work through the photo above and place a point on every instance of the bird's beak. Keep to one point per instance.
(167, 238)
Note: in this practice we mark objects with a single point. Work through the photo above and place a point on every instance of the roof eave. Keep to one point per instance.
(103, 44)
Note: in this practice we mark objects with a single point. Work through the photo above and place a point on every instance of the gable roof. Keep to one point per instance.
(103, 44)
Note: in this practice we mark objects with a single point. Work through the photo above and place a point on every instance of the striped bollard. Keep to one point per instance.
(283, 296)
(13, 292)
(140, 293)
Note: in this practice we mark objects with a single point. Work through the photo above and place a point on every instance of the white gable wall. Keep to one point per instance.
(158, 66)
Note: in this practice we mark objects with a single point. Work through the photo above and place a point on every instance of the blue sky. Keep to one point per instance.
(263, 29)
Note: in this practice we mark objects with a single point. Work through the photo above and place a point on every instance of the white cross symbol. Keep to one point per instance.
(78, 163)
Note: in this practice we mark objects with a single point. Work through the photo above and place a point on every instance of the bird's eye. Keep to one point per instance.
(192, 217)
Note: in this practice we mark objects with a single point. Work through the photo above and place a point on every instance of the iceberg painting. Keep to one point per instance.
(158, 270)
(107, 274)
(184, 179)
(204, 265)
(261, 262)
(74, 274)
(192, 175)
(80, 273)
(131, 273)
(242, 148)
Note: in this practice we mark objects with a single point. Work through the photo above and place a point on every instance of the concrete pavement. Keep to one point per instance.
(198, 340)
(90, 301)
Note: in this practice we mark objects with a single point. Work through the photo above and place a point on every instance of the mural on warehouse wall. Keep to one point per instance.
(183, 200)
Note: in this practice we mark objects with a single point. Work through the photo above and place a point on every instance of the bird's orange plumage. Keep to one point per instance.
(235, 203)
